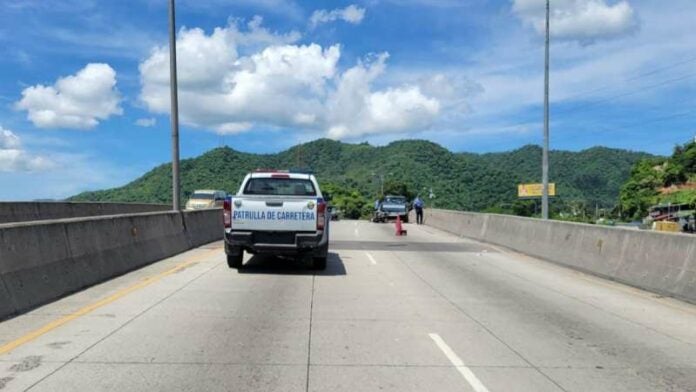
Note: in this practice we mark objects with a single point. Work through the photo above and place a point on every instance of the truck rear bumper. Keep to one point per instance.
(384, 216)
(277, 243)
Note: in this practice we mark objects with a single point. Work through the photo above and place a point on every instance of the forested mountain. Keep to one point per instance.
(352, 171)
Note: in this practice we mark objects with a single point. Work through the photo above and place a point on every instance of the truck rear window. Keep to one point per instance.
(280, 187)
(202, 196)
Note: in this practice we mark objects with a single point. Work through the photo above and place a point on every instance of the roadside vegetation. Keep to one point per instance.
(660, 181)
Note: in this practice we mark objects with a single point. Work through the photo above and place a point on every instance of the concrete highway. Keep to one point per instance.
(426, 312)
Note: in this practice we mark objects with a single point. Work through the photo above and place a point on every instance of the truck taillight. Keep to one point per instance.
(321, 214)
(227, 213)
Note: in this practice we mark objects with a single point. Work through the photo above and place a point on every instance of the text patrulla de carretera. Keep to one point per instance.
(274, 215)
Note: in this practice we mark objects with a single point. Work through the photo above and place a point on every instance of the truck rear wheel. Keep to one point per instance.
(235, 260)
(319, 263)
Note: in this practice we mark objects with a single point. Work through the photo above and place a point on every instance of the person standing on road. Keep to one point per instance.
(418, 205)
(375, 213)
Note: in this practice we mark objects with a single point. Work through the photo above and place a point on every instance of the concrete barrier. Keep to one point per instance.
(663, 263)
(34, 211)
(43, 261)
(201, 226)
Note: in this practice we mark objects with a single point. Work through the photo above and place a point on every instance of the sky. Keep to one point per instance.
(84, 84)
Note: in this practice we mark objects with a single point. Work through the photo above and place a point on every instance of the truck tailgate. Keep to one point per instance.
(282, 214)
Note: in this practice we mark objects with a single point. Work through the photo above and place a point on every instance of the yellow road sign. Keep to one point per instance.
(534, 190)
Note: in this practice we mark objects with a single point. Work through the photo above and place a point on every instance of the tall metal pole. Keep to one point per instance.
(545, 157)
(381, 177)
(176, 193)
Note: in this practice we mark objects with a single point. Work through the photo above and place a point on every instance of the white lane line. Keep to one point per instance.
(469, 376)
(372, 259)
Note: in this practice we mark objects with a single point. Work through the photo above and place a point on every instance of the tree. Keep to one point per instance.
(350, 201)
(397, 188)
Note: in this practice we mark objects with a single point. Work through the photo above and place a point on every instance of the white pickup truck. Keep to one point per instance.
(277, 212)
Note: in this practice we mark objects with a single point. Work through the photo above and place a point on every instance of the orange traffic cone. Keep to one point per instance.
(399, 229)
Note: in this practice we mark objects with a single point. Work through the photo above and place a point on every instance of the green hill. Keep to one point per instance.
(661, 180)
(350, 171)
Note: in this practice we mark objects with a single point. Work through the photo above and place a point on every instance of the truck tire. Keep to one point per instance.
(235, 260)
(319, 263)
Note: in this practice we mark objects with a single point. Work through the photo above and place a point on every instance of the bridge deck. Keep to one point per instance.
(426, 312)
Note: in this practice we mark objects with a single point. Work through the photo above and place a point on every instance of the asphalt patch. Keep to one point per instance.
(4, 381)
(27, 364)
(58, 345)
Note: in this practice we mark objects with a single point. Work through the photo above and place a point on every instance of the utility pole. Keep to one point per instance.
(381, 180)
(380, 176)
(298, 157)
(176, 192)
(545, 154)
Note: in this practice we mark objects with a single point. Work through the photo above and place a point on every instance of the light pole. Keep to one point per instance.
(176, 193)
(545, 153)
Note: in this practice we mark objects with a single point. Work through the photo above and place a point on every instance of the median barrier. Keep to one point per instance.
(45, 260)
(206, 226)
(6, 306)
(663, 263)
(34, 211)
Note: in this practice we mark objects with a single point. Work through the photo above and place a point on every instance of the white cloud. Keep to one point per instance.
(232, 128)
(355, 110)
(256, 34)
(8, 140)
(281, 85)
(14, 159)
(579, 20)
(209, 70)
(351, 14)
(77, 101)
(452, 91)
(270, 87)
(146, 122)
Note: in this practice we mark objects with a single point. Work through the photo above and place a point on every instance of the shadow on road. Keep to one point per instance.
(403, 246)
(266, 264)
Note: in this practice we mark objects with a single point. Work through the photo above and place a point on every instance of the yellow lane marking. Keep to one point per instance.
(90, 308)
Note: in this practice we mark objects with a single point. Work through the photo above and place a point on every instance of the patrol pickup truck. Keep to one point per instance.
(277, 212)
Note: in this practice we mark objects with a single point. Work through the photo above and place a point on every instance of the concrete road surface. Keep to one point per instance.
(426, 312)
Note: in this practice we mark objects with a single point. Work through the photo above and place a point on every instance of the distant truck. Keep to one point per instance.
(206, 198)
(280, 213)
(392, 207)
(672, 218)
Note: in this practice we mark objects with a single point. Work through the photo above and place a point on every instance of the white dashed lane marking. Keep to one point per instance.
(469, 376)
